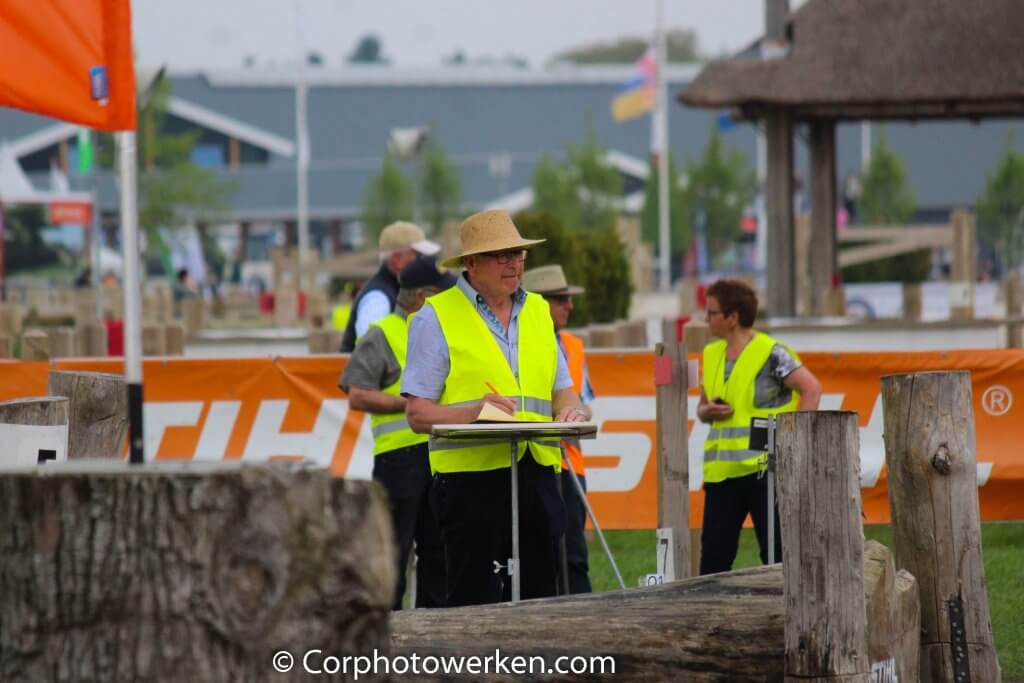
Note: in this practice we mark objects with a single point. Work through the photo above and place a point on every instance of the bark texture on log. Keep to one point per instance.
(722, 627)
(98, 412)
(822, 546)
(933, 494)
(112, 573)
(35, 345)
(42, 410)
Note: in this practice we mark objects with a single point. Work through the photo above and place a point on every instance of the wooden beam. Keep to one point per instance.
(234, 152)
(673, 455)
(933, 493)
(961, 286)
(822, 251)
(781, 276)
(822, 546)
(927, 235)
(874, 252)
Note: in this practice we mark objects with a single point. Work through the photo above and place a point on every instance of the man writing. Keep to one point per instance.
(487, 331)
(400, 243)
(550, 283)
(401, 464)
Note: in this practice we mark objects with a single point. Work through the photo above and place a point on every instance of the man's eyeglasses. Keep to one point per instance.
(504, 257)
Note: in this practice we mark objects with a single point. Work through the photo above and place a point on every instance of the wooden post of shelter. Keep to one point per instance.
(961, 285)
(97, 412)
(206, 572)
(673, 460)
(933, 494)
(822, 546)
(822, 252)
(781, 276)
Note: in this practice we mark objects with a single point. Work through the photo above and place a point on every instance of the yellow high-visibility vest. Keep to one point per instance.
(476, 360)
(726, 455)
(391, 430)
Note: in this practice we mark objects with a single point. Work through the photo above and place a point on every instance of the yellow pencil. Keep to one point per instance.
(493, 390)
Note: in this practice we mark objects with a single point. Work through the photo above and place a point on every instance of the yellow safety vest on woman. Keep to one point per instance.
(391, 430)
(726, 455)
(476, 360)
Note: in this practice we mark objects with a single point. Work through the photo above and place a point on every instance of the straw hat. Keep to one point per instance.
(402, 234)
(549, 281)
(485, 232)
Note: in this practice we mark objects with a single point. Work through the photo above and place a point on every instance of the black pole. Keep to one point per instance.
(136, 455)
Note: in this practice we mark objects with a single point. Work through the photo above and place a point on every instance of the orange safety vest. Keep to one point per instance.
(573, 347)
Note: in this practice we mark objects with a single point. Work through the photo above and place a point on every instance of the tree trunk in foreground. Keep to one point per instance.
(112, 572)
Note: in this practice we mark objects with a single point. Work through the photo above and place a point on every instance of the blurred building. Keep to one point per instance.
(494, 123)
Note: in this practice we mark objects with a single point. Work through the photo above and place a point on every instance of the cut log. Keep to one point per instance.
(174, 339)
(822, 546)
(41, 410)
(97, 412)
(933, 494)
(722, 627)
(718, 627)
(110, 572)
(92, 340)
(62, 342)
(154, 341)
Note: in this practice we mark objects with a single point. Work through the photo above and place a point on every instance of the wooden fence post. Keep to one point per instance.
(913, 301)
(35, 345)
(673, 458)
(696, 336)
(933, 494)
(822, 546)
(97, 412)
(961, 284)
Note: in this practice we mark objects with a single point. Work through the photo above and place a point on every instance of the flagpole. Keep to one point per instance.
(132, 288)
(664, 263)
(302, 155)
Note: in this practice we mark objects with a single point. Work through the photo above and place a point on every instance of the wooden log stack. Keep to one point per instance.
(112, 572)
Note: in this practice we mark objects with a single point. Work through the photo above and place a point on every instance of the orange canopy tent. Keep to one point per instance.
(69, 59)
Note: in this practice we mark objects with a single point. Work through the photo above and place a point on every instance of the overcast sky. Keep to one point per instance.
(193, 34)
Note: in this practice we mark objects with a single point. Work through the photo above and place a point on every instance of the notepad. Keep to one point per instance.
(491, 413)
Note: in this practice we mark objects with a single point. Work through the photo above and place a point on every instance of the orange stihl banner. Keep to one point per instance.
(290, 408)
(71, 60)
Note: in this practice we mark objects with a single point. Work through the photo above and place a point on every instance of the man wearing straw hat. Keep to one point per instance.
(487, 341)
(550, 283)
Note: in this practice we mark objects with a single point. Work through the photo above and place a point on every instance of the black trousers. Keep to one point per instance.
(474, 510)
(726, 506)
(575, 540)
(405, 475)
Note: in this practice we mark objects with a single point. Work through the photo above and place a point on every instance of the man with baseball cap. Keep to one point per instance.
(487, 341)
(399, 244)
(550, 283)
(372, 379)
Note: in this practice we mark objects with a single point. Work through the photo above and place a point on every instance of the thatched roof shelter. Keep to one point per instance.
(838, 60)
(882, 59)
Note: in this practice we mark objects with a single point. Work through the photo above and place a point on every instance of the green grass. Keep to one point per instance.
(1002, 547)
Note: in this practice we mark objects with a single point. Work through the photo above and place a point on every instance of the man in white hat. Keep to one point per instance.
(400, 243)
(550, 283)
(487, 341)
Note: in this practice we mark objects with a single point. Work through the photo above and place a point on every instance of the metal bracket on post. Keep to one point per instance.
(958, 640)
(513, 562)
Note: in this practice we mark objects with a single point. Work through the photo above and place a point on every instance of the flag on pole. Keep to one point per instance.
(637, 95)
(71, 60)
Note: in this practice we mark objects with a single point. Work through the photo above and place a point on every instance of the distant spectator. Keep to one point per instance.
(84, 279)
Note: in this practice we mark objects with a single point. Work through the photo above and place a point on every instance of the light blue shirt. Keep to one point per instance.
(372, 307)
(427, 362)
